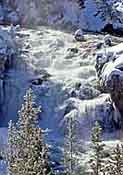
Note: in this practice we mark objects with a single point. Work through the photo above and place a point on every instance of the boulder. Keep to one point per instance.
(41, 76)
(79, 36)
(107, 40)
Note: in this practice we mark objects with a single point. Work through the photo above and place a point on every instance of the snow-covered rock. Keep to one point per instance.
(79, 36)
(109, 67)
(109, 62)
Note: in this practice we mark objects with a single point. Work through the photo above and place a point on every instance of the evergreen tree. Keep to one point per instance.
(27, 152)
(114, 164)
(97, 162)
(71, 145)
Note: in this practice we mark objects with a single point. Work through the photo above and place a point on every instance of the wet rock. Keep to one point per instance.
(69, 107)
(79, 36)
(27, 46)
(99, 45)
(102, 58)
(109, 28)
(71, 52)
(87, 92)
(73, 93)
(78, 85)
(107, 40)
(37, 81)
(74, 50)
(42, 75)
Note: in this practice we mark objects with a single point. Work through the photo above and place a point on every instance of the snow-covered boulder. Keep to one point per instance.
(79, 36)
(107, 40)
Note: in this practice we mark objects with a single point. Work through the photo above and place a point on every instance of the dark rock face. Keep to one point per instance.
(41, 76)
(110, 29)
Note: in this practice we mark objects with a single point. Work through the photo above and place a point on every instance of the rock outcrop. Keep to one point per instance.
(109, 66)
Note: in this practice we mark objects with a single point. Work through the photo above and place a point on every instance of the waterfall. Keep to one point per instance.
(60, 71)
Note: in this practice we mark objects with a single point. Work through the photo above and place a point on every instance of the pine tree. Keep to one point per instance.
(71, 144)
(27, 152)
(114, 164)
(97, 162)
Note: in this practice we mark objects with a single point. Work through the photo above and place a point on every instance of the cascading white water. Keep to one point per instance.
(71, 84)
(50, 50)
(69, 89)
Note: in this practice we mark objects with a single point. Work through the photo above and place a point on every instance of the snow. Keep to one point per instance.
(112, 57)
